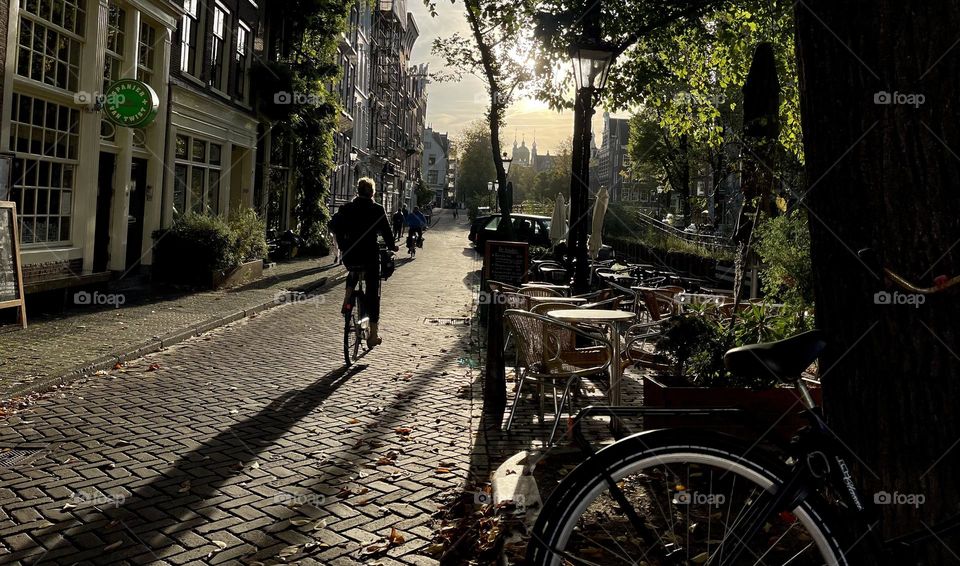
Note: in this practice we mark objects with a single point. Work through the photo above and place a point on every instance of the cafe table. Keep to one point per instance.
(612, 321)
(568, 300)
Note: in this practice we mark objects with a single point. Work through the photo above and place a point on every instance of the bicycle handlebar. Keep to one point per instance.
(941, 282)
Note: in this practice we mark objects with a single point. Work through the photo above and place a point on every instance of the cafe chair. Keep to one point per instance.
(541, 342)
(538, 291)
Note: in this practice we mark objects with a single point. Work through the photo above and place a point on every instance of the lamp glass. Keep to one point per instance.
(591, 64)
(506, 163)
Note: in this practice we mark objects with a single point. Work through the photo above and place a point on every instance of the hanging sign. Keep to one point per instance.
(130, 103)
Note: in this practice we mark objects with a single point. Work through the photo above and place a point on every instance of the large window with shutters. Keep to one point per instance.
(196, 176)
(44, 136)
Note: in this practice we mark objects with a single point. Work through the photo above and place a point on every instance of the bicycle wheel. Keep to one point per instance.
(686, 491)
(354, 333)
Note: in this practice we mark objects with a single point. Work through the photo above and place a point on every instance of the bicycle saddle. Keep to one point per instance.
(786, 359)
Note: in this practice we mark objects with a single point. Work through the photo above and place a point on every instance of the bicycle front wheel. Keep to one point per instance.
(675, 497)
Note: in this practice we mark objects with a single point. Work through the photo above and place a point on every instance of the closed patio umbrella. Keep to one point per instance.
(599, 211)
(558, 223)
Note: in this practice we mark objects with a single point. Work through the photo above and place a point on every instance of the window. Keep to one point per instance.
(432, 160)
(432, 176)
(45, 137)
(218, 61)
(146, 59)
(49, 41)
(189, 25)
(196, 176)
(242, 58)
(113, 60)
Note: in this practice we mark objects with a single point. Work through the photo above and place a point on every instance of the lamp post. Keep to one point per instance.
(592, 58)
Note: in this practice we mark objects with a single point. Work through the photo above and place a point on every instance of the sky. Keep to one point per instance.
(452, 106)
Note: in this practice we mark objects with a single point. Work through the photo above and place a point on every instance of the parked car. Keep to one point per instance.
(529, 228)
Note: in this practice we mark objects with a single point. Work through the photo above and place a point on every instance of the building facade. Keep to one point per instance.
(89, 194)
(612, 155)
(436, 164)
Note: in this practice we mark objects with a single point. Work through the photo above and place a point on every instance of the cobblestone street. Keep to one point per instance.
(253, 444)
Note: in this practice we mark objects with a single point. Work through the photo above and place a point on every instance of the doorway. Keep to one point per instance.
(101, 238)
(135, 223)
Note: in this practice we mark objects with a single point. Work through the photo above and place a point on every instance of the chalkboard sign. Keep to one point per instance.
(507, 262)
(11, 277)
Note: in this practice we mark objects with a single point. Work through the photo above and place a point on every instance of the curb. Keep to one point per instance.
(155, 344)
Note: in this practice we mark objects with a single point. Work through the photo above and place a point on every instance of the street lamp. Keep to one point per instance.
(592, 58)
(506, 163)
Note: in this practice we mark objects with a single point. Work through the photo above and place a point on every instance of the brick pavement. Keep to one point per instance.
(58, 344)
(252, 444)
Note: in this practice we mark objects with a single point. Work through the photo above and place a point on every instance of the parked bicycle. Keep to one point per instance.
(682, 496)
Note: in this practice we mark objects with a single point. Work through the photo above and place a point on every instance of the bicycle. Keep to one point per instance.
(356, 326)
(681, 496)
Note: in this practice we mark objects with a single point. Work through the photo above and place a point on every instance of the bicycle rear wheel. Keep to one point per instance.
(354, 331)
(678, 498)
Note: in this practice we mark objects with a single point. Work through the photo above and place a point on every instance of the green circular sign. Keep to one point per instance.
(130, 103)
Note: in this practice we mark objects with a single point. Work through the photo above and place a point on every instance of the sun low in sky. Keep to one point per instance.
(451, 106)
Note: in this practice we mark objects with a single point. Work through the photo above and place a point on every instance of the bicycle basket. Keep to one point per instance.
(387, 265)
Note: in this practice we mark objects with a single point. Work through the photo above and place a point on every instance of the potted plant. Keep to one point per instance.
(696, 343)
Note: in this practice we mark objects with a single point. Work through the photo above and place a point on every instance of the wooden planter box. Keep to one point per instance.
(240, 275)
(766, 407)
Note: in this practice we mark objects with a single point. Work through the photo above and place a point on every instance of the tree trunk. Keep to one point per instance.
(497, 104)
(885, 176)
(685, 179)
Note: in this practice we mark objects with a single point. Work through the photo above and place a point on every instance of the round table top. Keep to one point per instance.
(591, 315)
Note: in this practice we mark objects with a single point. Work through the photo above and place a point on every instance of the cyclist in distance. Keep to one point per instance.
(356, 226)
(416, 221)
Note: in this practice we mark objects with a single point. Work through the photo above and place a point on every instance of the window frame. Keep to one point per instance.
(220, 45)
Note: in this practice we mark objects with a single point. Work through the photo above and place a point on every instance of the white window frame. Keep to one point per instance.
(220, 54)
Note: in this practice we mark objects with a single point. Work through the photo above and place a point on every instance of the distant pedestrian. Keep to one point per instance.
(398, 222)
(334, 248)
(454, 213)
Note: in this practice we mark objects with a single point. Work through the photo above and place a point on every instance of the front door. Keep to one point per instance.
(101, 238)
(135, 224)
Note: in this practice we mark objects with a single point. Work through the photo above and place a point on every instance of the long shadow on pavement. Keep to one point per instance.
(165, 505)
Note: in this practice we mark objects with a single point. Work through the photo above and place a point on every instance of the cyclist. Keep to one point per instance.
(416, 221)
(357, 225)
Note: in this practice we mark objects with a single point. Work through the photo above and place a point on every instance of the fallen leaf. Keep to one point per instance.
(353, 421)
(112, 546)
(443, 470)
(68, 506)
(153, 367)
(300, 522)
(395, 537)
(320, 525)
(184, 487)
(220, 544)
(403, 430)
(118, 365)
(289, 551)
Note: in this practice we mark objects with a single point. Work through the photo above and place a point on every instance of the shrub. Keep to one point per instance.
(250, 235)
(194, 246)
(783, 243)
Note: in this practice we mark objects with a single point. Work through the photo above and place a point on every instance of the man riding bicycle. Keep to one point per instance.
(356, 226)
(416, 221)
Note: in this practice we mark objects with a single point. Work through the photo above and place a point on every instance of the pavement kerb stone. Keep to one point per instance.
(156, 344)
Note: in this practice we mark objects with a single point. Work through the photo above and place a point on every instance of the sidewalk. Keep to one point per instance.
(86, 339)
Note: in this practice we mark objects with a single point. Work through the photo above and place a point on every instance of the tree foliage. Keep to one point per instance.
(308, 50)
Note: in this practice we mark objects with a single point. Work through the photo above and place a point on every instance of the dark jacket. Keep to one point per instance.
(356, 226)
(398, 217)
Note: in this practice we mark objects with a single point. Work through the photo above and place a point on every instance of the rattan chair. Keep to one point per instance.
(538, 291)
(541, 341)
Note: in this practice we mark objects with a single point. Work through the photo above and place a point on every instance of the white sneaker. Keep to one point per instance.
(373, 338)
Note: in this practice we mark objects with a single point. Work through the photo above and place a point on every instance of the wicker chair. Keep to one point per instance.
(537, 291)
(541, 341)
